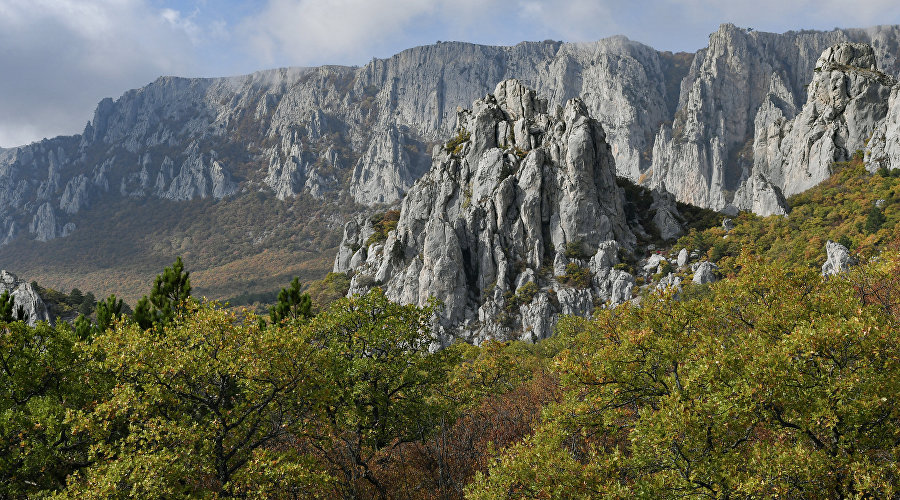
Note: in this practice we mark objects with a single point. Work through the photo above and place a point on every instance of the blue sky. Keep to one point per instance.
(60, 57)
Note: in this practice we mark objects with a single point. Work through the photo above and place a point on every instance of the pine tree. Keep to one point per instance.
(83, 327)
(108, 311)
(291, 304)
(171, 291)
(8, 310)
(7, 305)
(875, 220)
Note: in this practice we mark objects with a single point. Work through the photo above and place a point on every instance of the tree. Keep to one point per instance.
(777, 384)
(874, 220)
(42, 378)
(382, 379)
(169, 297)
(75, 297)
(8, 310)
(87, 303)
(207, 405)
(292, 304)
(107, 313)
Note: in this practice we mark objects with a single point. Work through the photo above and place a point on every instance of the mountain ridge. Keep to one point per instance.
(360, 136)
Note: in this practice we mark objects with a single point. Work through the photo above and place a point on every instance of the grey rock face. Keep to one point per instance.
(682, 259)
(364, 131)
(698, 126)
(705, 273)
(847, 101)
(738, 96)
(25, 296)
(838, 259)
(43, 225)
(518, 188)
(884, 148)
(666, 218)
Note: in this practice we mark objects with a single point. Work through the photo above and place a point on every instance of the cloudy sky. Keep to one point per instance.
(60, 57)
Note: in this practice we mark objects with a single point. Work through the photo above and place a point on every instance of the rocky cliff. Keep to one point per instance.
(366, 131)
(847, 100)
(738, 94)
(25, 296)
(518, 220)
(706, 127)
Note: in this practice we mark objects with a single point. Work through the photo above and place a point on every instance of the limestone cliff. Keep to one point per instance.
(738, 93)
(694, 125)
(25, 296)
(847, 101)
(518, 220)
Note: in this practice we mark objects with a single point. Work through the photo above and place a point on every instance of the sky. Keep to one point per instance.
(60, 57)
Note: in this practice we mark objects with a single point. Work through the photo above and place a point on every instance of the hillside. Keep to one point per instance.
(345, 139)
(771, 381)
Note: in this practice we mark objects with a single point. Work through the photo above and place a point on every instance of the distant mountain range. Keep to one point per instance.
(250, 178)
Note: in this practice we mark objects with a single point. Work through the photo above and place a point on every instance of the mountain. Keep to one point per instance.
(519, 195)
(277, 160)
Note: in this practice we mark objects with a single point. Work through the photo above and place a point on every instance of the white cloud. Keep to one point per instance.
(61, 57)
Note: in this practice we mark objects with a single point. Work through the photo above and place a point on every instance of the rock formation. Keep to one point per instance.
(519, 220)
(847, 101)
(25, 296)
(735, 102)
(838, 259)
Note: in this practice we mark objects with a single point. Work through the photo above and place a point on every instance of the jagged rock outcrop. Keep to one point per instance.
(705, 273)
(838, 259)
(666, 217)
(520, 190)
(847, 101)
(387, 167)
(883, 150)
(363, 131)
(738, 94)
(695, 125)
(25, 296)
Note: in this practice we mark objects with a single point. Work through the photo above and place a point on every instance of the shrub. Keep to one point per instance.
(526, 293)
(576, 276)
(875, 220)
(383, 223)
(455, 145)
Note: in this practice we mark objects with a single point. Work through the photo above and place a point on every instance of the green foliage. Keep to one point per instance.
(383, 223)
(721, 396)
(526, 293)
(455, 145)
(88, 302)
(292, 304)
(42, 378)
(84, 329)
(198, 408)
(840, 207)
(327, 290)
(8, 310)
(168, 299)
(382, 382)
(576, 276)
(575, 250)
(108, 311)
(874, 220)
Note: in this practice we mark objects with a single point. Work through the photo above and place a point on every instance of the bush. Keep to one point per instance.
(575, 250)
(526, 293)
(576, 276)
(455, 145)
(875, 220)
(383, 223)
